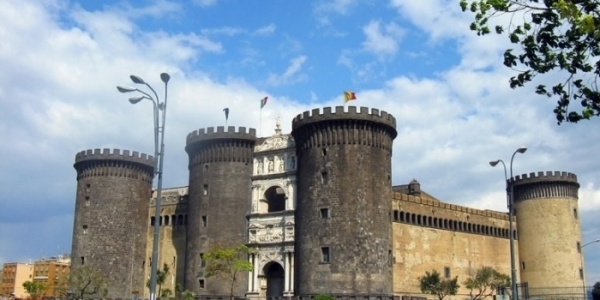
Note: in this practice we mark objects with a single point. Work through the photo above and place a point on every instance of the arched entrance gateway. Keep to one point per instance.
(275, 279)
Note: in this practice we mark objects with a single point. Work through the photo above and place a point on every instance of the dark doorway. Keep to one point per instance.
(275, 198)
(275, 280)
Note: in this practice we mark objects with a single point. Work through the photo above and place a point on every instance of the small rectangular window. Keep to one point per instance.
(87, 201)
(575, 213)
(83, 260)
(205, 189)
(581, 273)
(447, 272)
(522, 265)
(201, 283)
(579, 247)
(324, 213)
(202, 261)
(324, 178)
(325, 255)
(85, 229)
(204, 221)
(87, 188)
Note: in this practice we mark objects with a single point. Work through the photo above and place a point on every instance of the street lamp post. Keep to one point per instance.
(159, 155)
(511, 213)
(583, 265)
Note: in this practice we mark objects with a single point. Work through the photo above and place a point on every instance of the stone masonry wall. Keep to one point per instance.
(344, 167)
(111, 217)
(220, 164)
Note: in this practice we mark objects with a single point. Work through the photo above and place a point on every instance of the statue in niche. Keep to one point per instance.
(281, 164)
(260, 167)
(293, 162)
(271, 167)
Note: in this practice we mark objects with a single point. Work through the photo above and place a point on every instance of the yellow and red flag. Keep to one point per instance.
(348, 96)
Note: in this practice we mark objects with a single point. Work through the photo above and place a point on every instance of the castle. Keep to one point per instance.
(319, 207)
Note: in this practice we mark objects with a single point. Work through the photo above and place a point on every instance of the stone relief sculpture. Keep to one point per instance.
(281, 164)
(293, 162)
(271, 167)
(259, 167)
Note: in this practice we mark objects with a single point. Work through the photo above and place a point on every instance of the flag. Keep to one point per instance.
(263, 102)
(349, 96)
(226, 110)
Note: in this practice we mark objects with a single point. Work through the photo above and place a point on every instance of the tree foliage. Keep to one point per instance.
(553, 35)
(35, 289)
(485, 283)
(433, 284)
(86, 282)
(187, 295)
(227, 263)
(596, 291)
(161, 276)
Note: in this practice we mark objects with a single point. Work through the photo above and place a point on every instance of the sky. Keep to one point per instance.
(61, 61)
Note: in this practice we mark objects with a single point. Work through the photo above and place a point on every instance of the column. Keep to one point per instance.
(251, 261)
(286, 268)
(292, 272)
(255, 274)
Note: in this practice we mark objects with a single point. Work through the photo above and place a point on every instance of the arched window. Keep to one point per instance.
(152, 220)
(402, 217)
(275, 197)
(167, 220)
(396, 215)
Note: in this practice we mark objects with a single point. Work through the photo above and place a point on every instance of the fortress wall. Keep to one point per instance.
(171, 248)
(463, 240)
(420, 249)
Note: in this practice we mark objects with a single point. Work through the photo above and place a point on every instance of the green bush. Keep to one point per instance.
(323, 297)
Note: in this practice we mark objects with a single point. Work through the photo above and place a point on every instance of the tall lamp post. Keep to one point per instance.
(583, 265)
(159, 155)
(511, 213)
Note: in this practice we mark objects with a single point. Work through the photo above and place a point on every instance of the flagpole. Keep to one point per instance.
(260, 123)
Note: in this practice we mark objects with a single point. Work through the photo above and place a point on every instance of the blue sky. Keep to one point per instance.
(448, 89)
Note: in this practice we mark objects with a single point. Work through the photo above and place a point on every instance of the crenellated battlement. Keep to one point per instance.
(220, 133)
(545, 185)
(544, 176)
(114, 154)
(374, 129)
(449, 206)
(327, 114)
(210, 145)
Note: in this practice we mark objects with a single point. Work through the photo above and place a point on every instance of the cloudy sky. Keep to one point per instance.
(61, 60)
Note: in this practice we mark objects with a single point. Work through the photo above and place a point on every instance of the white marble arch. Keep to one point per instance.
(262, 260)
(260, 204)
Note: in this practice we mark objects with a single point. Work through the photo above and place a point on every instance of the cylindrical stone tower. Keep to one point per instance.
(343, 233)
(111, 217)
(548, 229)
(220, 165)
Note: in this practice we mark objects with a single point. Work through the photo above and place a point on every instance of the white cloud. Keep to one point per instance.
(205, 3)
(266, 30)
(382, 41)
(292, 73)
(335, 6)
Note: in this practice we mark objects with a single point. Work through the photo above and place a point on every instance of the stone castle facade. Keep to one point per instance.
(319, 207)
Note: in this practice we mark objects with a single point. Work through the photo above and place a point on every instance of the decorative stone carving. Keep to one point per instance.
(259, 167)
(281, 164)
(276, 142)
(271, 166)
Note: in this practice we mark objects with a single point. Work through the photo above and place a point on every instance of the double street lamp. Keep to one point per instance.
(583, 265)
(159, 154)
(511, 213)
